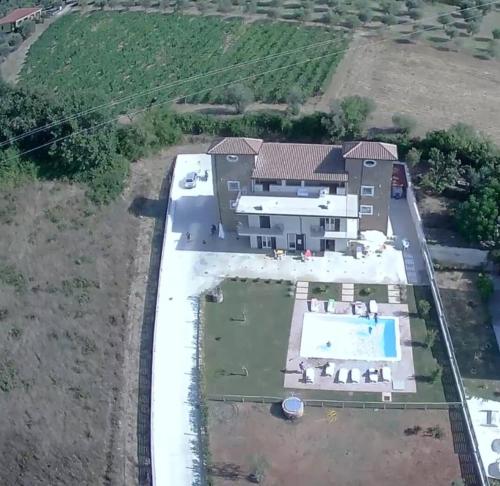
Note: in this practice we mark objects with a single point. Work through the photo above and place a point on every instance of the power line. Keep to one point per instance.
(142, 110)
(218, 71)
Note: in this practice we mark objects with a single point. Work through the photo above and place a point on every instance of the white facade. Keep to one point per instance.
(299, 232)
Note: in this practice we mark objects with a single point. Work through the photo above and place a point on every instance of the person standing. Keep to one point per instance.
(188, 236)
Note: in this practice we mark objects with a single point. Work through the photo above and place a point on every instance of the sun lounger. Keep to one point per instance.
(386, 374)
(314, 305)
(343, 374)
(495, 446)
(373, 307)
(329, 369)
(331, 306)
(355, 375)
(310, 375)
(372, 375)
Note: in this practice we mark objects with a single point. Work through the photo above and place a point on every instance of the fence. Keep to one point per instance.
(341, 403)
(412, 203)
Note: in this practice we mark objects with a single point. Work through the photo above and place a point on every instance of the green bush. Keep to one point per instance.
(424, 307)
(485, 286)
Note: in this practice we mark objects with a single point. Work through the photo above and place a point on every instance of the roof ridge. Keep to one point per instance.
(356, 145)
(384, 145)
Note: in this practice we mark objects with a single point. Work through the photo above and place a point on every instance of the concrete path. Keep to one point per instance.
(191, 266)
(403, 227)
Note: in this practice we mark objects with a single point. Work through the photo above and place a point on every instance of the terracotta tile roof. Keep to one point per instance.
(370, 150)
(236, 145)
(300, 161)
(18, 14)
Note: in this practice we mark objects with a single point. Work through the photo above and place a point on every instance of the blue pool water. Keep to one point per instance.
(350, 337)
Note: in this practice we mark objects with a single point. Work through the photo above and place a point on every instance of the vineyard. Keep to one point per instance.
(110, 55)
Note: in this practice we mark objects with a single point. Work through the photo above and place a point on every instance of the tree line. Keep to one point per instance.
(97, 153)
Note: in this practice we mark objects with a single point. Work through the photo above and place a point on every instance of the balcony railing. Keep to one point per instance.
(326, 232)
(245, 230)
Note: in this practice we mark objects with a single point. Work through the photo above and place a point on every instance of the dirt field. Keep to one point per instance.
(77, 296)
(437, 88)
(362, 447)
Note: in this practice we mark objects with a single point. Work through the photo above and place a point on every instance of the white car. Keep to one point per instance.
(190, 180)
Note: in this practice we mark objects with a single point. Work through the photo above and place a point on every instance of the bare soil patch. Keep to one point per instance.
(360, 447)
(75, 283)
(437, 88)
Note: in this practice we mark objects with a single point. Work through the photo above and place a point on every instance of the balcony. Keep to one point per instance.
(245, 230)
(329, 233)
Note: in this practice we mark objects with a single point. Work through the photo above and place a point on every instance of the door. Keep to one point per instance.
(291, 241)
(300, 242)
(266, 242)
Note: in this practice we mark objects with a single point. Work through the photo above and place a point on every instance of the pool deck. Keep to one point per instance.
(403, 371)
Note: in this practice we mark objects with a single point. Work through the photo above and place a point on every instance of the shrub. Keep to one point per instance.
(405, 123)
(485, 286)
(240, 96)
(424, 307)
(413, 157)
(365, 291)
(430, 337)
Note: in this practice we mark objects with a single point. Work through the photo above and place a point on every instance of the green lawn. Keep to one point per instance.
(366, 292)
(325, 291)
(250, 329)
(108, 55)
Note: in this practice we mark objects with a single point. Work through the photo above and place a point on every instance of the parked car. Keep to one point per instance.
(190, 180)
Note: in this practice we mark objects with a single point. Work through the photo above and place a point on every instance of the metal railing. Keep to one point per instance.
(412, 204)
(339, 403)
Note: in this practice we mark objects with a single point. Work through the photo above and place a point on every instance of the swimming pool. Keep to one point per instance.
(349, 337)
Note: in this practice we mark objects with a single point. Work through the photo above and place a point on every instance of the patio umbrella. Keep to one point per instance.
(221, 231)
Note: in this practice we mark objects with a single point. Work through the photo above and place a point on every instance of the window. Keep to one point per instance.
(233, 186)
(293, 183)
(330, 224)
(367, 190)
(233, 204)
(370, 163)
(365, 209)
(232, 158)
(264, 221)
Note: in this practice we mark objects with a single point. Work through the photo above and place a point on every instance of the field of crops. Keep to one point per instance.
(113, 55)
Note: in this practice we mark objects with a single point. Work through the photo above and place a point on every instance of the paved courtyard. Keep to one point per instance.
(190, 267)
(402, 371)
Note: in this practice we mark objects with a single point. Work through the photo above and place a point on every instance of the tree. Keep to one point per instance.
(484, 5)
(27, 28)
(390, 7)
(451, 31)
(424, 307)
(412, 4)
(273, 13)
(435, 376)
(444, 170)
(352, 22)
(224, 6)
(473, 27)
(389, 19)
(294, 99)
(365, 15)
(405, 123)
(413, 157)
(347, 117)
(240, 96)
(478, 217)
(494, 49)
(496, 33)
(444, 19)
(430, 338)
(251, 6)
(415, 13)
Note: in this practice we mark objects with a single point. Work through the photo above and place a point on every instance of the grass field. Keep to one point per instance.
(250, 329)
(111, 55)
(472, 334)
